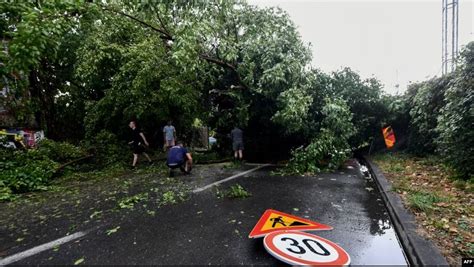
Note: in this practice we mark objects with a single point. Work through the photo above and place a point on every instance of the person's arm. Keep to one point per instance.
(144, 139)
(164, 135)
(174, 133)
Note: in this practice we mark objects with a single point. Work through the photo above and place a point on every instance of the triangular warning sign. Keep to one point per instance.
(273, 220)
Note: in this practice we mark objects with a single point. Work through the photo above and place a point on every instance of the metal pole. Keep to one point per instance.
(446, 37)
(457, 28)
(454, 2)
(442, 37)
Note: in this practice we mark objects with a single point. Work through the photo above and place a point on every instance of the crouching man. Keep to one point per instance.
(179, 157)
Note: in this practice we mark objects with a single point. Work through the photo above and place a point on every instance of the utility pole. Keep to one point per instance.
(449, 35)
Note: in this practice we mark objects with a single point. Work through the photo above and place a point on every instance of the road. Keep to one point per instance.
(206, 229)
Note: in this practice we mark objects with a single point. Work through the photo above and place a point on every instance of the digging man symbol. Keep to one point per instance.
(277, 220)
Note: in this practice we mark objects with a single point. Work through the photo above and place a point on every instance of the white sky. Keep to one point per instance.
(378, 38)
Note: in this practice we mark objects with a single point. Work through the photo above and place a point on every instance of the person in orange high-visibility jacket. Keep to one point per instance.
(389, 136)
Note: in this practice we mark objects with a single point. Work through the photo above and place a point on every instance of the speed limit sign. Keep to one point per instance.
(299, 248)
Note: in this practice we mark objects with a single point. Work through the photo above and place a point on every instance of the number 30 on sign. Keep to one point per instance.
(299, 248)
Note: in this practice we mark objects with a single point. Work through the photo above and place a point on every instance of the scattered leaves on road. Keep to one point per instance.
(95, 214)
(113, 230)
(79, 261)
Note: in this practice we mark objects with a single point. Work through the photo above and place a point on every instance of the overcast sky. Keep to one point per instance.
(379, 38)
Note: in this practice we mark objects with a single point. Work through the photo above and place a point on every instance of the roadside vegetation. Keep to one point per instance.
(442, 204)
(81, 71)
(435, 117)
(433, 170)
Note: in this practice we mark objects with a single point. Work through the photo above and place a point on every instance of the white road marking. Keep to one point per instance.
(200, 189)
(30, 252)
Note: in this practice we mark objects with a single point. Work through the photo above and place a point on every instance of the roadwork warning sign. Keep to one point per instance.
(273, 220)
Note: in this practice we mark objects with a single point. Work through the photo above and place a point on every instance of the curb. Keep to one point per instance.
(418, 250)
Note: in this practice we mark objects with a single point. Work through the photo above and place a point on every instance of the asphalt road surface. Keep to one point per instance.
(209, 230)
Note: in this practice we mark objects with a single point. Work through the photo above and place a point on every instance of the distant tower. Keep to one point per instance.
(450, 35)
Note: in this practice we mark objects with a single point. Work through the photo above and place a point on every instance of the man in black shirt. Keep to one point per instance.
(138, 139)
(237, 143)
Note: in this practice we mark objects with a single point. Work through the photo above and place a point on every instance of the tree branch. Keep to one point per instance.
(163, 25)
(228, 66)
(164, 34)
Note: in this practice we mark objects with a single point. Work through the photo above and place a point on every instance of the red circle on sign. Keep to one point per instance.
(343, 258)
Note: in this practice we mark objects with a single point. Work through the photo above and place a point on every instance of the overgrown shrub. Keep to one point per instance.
(425, 105)
(455, 124)
(29, 170)
(60, 151)
(24, 171)
(441, 116)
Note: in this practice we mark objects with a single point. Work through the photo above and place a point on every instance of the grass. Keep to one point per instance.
(442, 205)
(423, 201)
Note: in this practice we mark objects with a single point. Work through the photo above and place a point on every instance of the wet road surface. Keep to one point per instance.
(211, 230)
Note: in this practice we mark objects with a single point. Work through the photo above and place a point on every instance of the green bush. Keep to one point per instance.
(5, 193)
(29, 170)
(425, 105)
(60, 151)
(455, 123)
(24, 171)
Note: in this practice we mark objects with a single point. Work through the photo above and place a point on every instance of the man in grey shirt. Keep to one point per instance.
(169, 135)
(237, 143)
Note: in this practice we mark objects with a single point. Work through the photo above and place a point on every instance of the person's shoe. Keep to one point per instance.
(132, 168)
(171, 173)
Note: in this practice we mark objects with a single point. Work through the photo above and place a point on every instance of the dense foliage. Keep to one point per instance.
(30, 170)
(92, 67)
(437, 116)
(82, 70)
(456, 121)
(330, 148)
